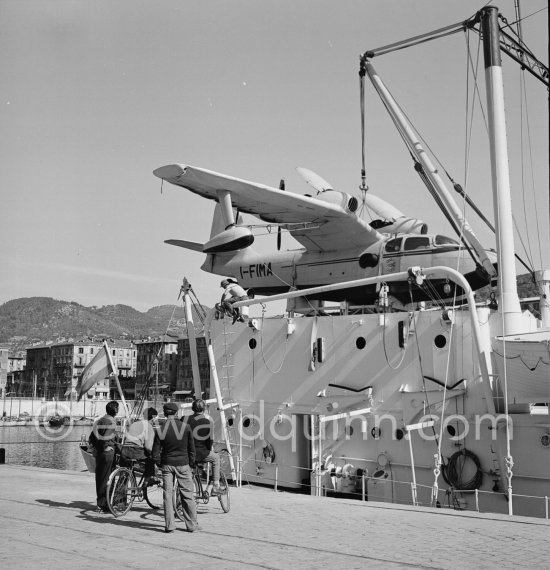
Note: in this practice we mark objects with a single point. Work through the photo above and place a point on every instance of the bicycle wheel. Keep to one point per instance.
(197, 495)
(223, 497)
(121, 491)
(199, 481)
(154, 494)
(225, 465)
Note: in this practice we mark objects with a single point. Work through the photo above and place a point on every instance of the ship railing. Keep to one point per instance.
(360, 487)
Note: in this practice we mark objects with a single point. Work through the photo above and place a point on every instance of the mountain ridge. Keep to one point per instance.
(28, 320)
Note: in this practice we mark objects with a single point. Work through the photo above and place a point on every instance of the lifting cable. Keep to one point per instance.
(418, 167)
(363, 186)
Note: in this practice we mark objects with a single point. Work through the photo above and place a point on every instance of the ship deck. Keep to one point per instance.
(48, 521)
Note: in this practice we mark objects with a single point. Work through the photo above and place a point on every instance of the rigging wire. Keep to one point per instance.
(316, 310)
(419, 358)
(527, 129)
(137, 410)
(469, 130)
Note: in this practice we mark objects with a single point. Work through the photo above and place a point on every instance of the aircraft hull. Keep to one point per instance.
(300, 269)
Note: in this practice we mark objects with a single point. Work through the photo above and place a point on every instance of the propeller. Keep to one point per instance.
(312, 178)
(279, 231)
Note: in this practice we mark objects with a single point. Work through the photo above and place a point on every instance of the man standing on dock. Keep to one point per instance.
(103, 439)
(174, 451)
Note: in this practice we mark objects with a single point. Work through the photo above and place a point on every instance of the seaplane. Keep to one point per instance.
(337, 243)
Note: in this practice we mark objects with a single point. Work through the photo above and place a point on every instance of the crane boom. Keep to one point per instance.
(515, 49)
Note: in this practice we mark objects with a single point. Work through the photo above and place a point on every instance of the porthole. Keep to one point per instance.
(360, 342)
(230, 421)
(399, 433)
(252, 343)
(375, 432)
(440, 341)
(246, 422)
(451, 430)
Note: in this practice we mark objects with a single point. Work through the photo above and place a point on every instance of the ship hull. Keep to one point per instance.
(361, 382)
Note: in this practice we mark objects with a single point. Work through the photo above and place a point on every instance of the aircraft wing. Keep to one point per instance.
(324, 226)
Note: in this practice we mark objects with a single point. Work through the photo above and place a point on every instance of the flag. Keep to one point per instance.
(96, 370)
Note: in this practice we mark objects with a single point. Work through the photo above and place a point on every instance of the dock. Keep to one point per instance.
(48, 520)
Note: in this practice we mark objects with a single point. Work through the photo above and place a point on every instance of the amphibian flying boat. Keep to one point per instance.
(337, 244)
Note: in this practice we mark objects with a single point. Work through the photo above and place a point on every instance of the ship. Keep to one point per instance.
(442, 404)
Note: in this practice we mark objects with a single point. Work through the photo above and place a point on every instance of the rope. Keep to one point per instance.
(403, 350)
(262, 346)
(452, 472)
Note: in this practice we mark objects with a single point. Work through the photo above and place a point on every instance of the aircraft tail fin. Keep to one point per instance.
(218, 223)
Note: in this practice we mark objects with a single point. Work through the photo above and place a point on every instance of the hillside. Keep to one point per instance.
(27, 320)
(526, 288)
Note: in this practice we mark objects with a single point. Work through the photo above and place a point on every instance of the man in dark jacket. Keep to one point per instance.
(103, 439)
(174, 451)
(201, 428)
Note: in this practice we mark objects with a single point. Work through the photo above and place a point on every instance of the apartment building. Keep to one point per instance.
(185, 386)
(156, 370)
(53, 369)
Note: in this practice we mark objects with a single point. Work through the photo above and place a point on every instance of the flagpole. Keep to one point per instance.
(115, 373)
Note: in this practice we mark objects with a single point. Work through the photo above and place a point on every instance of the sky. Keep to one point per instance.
(96, 95)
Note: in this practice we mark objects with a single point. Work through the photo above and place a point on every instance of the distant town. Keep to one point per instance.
(50, 370)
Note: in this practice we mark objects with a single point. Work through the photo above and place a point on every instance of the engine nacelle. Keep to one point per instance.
(231, 239)
(406, 225)
(345, 201)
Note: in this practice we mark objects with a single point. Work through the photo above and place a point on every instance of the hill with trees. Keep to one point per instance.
(32, 319)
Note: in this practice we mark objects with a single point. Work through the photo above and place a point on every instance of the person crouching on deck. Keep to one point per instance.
(233, 293)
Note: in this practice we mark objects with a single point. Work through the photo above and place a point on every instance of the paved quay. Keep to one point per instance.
(47, 520)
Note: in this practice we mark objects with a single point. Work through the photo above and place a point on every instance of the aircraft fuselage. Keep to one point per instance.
(278, 272)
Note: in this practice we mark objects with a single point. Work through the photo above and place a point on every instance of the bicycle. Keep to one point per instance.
(201, 493)
(127, 484)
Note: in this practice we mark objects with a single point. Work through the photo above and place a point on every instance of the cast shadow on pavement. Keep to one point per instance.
(88, 512)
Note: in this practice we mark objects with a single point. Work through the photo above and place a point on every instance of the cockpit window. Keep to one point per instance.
(394, 244)
(444, 240)
(413, 243)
